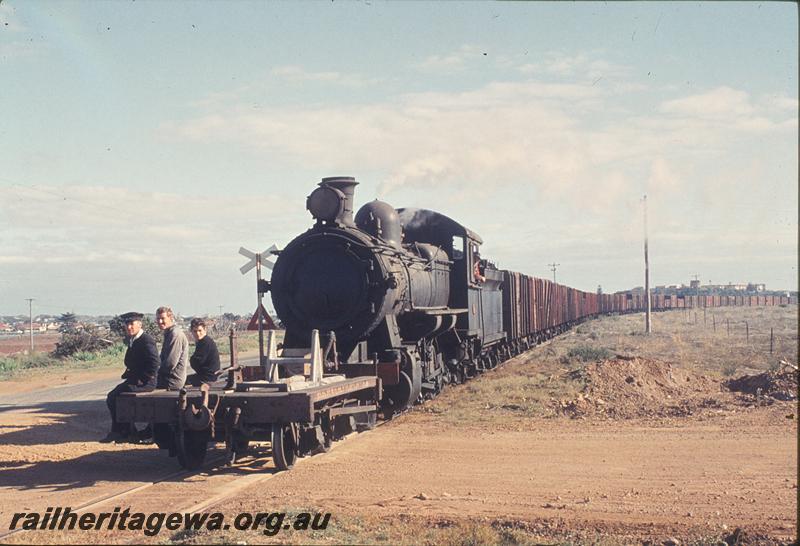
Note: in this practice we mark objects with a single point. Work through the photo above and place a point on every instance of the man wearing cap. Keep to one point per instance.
(141, 367)
(174, 352)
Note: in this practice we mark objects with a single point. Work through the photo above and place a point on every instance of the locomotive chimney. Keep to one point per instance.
(346, 185)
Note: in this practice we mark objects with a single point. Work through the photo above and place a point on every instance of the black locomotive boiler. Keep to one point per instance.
(392, 285)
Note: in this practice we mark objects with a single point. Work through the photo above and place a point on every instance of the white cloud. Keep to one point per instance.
(454, 61)
(297, 74)
(581, 66)
(537, 135)
(780, 103)
(102, 224)
(722, 102)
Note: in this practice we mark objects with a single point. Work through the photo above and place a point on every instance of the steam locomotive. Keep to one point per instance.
(405, 288)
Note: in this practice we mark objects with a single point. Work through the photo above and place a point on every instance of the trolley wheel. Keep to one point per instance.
(284, 446)
(240, 444)
(191, 447)
(397, 398)
(236, 446)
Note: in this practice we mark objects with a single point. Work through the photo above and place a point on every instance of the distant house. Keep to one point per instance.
(6, 327)
(26, 327)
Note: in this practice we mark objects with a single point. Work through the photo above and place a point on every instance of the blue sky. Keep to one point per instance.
(142, 143)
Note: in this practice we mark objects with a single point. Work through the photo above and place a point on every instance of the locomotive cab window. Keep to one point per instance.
(458, 248)
(477, 267)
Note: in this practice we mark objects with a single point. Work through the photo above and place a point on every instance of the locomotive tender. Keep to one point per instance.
(381, 310)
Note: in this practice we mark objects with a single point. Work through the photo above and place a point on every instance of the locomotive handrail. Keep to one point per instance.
(441, 310)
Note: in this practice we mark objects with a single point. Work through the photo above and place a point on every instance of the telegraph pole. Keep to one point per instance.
(220, 309)
(30, 314)
(647, 324)
(553, 267)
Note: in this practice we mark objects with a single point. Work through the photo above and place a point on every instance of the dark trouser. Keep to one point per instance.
(195, 380)
(111, 402)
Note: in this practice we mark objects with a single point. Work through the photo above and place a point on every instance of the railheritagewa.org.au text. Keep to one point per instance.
(64, 518)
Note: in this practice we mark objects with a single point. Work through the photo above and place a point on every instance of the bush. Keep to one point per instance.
(10, 364)
(587, 353)
(729, 369)
(86, 340)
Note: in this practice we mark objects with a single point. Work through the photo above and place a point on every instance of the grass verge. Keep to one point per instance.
(25, 365)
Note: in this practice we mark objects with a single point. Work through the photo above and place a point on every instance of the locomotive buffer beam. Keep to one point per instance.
(388, 372)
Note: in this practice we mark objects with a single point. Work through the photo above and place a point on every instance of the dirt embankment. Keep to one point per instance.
(630, 388)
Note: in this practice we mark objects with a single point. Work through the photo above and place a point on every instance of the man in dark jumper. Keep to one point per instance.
(141, 367)
(205, 360)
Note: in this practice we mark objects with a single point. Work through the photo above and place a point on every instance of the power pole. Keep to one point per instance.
(220, 309)
(553, 267)
(647, 323)
(30, 314)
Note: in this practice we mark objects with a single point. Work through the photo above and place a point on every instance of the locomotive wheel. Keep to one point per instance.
(191, 447)
(284, 446)
(397, 398)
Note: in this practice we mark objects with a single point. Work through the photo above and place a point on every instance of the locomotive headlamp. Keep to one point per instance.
(326, 203)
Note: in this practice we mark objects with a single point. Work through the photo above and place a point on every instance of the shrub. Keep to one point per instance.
(11, 364)
(85, 340)
(587, 353)
(729, 369)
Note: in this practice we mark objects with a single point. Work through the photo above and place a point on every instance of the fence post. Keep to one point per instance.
(770, 340)
(728, 321)
(704, 316)
(747, 329)
(714, 319)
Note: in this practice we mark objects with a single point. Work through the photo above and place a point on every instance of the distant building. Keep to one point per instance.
(737, 287)
(695, 288)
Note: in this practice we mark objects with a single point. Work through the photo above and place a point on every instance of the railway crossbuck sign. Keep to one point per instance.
(254, 258)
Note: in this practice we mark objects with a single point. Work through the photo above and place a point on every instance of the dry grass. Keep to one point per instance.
(403, 530)
(531, 384)
(400, 530)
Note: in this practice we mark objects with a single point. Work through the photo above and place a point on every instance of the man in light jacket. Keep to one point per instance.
(174, 352)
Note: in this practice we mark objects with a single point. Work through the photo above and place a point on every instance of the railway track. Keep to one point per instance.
(220, 482)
